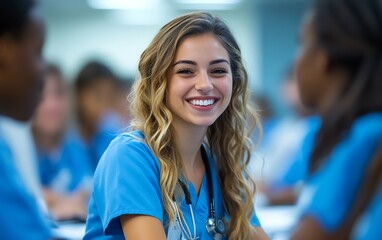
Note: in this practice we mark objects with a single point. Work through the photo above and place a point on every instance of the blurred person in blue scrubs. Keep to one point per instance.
(64, 163)
(21, 69)
(180, 172)
(339, 71)
(98, 119)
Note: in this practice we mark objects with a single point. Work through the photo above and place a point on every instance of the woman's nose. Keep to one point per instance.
(203, 82)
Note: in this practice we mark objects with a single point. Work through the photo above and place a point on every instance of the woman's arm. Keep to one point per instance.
(309, 228)
(260, 234)
(141, 227)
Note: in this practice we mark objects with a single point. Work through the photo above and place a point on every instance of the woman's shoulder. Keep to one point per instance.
(134, 137)
(361, 141)
(129, 149)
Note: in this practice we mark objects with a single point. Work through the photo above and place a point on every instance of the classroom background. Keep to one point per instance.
(93, 48)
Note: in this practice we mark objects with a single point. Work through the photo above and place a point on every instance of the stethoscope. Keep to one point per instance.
(215, 226)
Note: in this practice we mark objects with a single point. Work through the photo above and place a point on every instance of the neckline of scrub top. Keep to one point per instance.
(203, 194)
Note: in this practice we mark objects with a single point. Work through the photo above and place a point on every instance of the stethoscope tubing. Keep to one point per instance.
(182, 222)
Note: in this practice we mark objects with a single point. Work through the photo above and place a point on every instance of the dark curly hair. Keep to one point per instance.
(14, 16)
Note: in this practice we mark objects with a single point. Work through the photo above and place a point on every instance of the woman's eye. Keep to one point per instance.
(219, 71)
(185, 71)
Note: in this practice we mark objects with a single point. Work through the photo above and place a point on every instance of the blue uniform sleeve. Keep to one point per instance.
(20, 217)
(336, 184)
(127, 182)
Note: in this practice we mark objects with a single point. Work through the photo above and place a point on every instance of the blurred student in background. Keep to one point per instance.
(64, 163)
(339, 71)
(21, 68)
(96, 89)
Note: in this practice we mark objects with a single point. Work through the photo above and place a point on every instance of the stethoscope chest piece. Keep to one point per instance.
(215, 228)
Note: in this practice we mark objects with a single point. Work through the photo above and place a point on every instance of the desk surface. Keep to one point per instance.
(69, 230)
(276, 221)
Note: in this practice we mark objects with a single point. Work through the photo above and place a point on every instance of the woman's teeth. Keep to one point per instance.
(202, 102)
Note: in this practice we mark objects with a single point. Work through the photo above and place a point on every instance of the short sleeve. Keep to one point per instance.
(335, 185)
(127, 182)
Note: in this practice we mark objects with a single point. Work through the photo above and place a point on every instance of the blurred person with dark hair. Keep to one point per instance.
(64, 163)
(339, 71)
(97, 118)
(21, 68)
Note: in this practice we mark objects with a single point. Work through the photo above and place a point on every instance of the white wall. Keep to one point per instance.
(72, 42)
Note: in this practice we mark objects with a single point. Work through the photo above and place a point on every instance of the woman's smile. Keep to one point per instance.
(203, 103)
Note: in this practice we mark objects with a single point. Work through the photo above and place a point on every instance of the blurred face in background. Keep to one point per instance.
(320, 81)
(95, 100)
(21, 69)
(311, 66)
(53, 111)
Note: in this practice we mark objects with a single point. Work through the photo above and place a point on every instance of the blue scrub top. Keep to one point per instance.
(329, 193)
(127, 182)
(68, 168)
(20, 216)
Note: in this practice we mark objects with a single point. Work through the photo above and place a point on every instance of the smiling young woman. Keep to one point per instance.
(180, 173)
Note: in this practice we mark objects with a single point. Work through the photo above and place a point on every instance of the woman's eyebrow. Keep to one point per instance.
(194, 63)
(185, 62)
(218, 61)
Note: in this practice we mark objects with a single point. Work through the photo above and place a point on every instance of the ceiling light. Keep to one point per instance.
(123, 4)
(209, 2)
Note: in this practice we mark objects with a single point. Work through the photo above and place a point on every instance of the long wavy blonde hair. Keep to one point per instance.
(231, 147)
